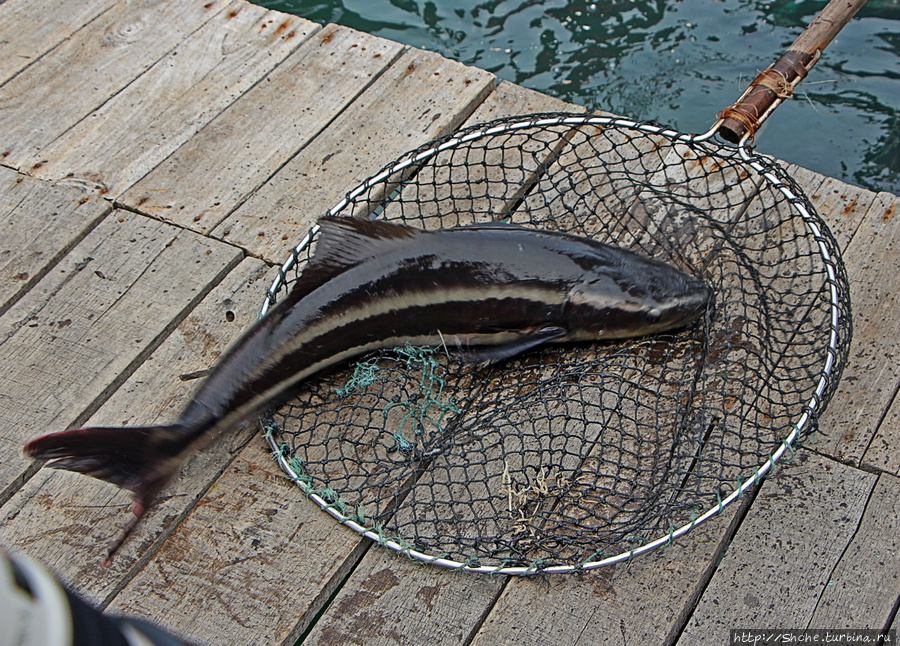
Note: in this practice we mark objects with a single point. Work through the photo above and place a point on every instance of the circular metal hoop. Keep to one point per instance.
(685, 424)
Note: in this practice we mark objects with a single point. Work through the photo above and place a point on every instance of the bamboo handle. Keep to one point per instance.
(777, 82)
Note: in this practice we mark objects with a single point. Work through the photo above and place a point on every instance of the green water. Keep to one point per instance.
(674, 62)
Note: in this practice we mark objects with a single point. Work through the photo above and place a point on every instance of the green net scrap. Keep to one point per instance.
(575, 456)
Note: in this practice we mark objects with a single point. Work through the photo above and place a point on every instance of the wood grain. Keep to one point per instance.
(90, 513)
(872, 375)
(39, 224)
(392, 600)
(216, 169)
(864, 587)
(784, 553)
(883, 452)
(841, 205)
(418, 98)
(254, 555)
(22, 41)
(117, 307)
(83, 72)
(123, 140)
(81, 330)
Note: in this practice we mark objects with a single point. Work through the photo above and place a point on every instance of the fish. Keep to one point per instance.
(490, 291)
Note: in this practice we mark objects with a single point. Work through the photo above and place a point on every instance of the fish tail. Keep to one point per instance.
(140, 459)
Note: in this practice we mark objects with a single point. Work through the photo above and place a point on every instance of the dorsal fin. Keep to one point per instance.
(344, 242)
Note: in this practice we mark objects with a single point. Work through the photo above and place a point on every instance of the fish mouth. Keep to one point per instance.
(682, 310)
(693, 305)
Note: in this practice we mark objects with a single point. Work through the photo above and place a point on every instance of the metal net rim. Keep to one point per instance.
(817, 229)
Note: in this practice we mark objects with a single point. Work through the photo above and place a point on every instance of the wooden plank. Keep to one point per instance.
(883, 452)
(797, 529)
(254, 554)
(128, 136)
(645, 601)
(162, 386)
(841, 205)
(23, 40)
(391, 600)
(82, 73)
(421, 96)
(39, 224)
(869, 382)
(808, 181)
(67, 343)
(214, 171)
(509, 99)
(66, 519)
(865, 585)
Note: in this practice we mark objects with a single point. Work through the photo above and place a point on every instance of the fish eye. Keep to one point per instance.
(654, 315)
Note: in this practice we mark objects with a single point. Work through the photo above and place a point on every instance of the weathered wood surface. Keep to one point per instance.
(390, 600)
(90, 321)
(427, 94)
(217, 169)
(862, 423)
(785, 552)
(39, 223)
(882, 453)
(842, 206)
(863, 587)
(117, 307)
(129, 135)
(88, 69)
(23, 41)
(259, 558)
(91, 512)
(872, 375)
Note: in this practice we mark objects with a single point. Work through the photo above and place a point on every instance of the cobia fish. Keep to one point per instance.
(493, 290)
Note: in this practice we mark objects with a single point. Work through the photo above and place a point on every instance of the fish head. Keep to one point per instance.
(631, 296)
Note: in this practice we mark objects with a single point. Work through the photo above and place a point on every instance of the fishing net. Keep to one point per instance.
(574, 456)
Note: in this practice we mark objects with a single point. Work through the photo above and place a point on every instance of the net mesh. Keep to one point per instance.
(569, 455)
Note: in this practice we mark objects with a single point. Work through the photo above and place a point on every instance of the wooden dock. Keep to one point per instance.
(157, 158)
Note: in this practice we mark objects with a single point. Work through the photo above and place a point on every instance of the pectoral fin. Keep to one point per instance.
(508, 350)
